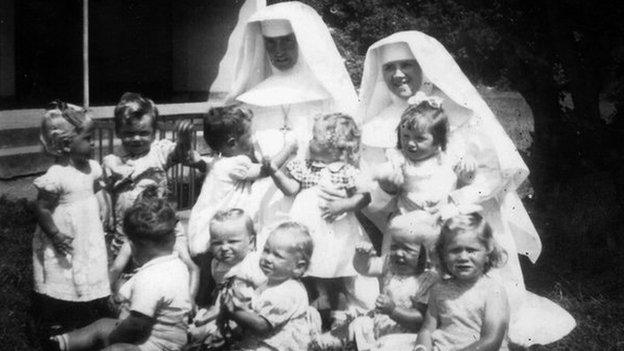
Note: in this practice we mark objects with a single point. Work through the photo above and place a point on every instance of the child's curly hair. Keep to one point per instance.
(150, 219)
(224, 123)
(475, 223)
(132, 107)
(61, 122)
(425, 117)
(337, 132)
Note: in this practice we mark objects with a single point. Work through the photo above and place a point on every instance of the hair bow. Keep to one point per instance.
(420, 97)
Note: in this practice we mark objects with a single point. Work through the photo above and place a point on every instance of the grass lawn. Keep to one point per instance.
(593, 296)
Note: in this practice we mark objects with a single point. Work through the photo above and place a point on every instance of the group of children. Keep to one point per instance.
(268, 287)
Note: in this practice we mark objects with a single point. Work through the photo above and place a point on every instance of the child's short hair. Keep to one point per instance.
(60, 123)
(425, 117)
(472, 222)
(223, 123)
(304, 246)
(150, 219)
(337, 131)
(232, 214)
(133, 106)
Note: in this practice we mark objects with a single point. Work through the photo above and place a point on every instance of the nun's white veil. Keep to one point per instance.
(439, 68)
(316, 49)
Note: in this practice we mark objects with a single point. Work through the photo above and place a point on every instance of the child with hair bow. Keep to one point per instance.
(420, 173)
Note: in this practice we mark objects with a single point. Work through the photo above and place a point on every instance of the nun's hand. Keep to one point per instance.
(330, 192)
(466, 169)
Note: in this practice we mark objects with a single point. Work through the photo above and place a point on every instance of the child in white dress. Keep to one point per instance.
(468, 309)
(333, 154)
(423, 175)
(279, 316)
(227, 131)
(234, 268)
(155, 301)
(69, 251)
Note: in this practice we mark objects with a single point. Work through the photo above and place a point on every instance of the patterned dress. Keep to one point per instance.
(334, 242)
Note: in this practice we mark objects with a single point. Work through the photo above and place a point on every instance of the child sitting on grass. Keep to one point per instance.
(279, 316)
(155, 301)
(234, 268)
(468, 310)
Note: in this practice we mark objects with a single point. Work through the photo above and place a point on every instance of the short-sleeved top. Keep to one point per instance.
(129, 176)
(160, 290)
(225, 187)
(460, 312)
(309, 173)
(82, 275)
(285, 307)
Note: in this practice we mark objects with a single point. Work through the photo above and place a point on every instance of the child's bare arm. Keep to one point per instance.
(181, 247)
(495, 323)
(251, 321)
(119, 264)
(132, 329)
(366, 262)
(44, 205)
(430, 324)
(286, 184)
(332, 209)
(269, 165)
(410, 318)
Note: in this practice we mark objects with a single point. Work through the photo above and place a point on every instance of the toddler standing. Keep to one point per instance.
(142, 166)
(227, 131)
(332, 155)
(69, 251)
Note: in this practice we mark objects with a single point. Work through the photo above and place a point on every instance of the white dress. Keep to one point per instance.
(334, 242)
(82, 275)
(224, 187)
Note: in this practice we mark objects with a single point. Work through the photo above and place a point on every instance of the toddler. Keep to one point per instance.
(155, 301)
(69, 251)
(422, 175)
(332, 156)
(227, 131)
(234, 268)
(468, 309)
(401, 306)
(279, 317)
(142, 164)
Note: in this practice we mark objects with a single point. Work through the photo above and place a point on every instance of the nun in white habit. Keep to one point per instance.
(396, 68)
(287, 72)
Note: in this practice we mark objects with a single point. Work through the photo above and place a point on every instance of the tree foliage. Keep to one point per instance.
(549, 51)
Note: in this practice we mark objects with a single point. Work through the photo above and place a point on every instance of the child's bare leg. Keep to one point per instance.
(92, 336)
